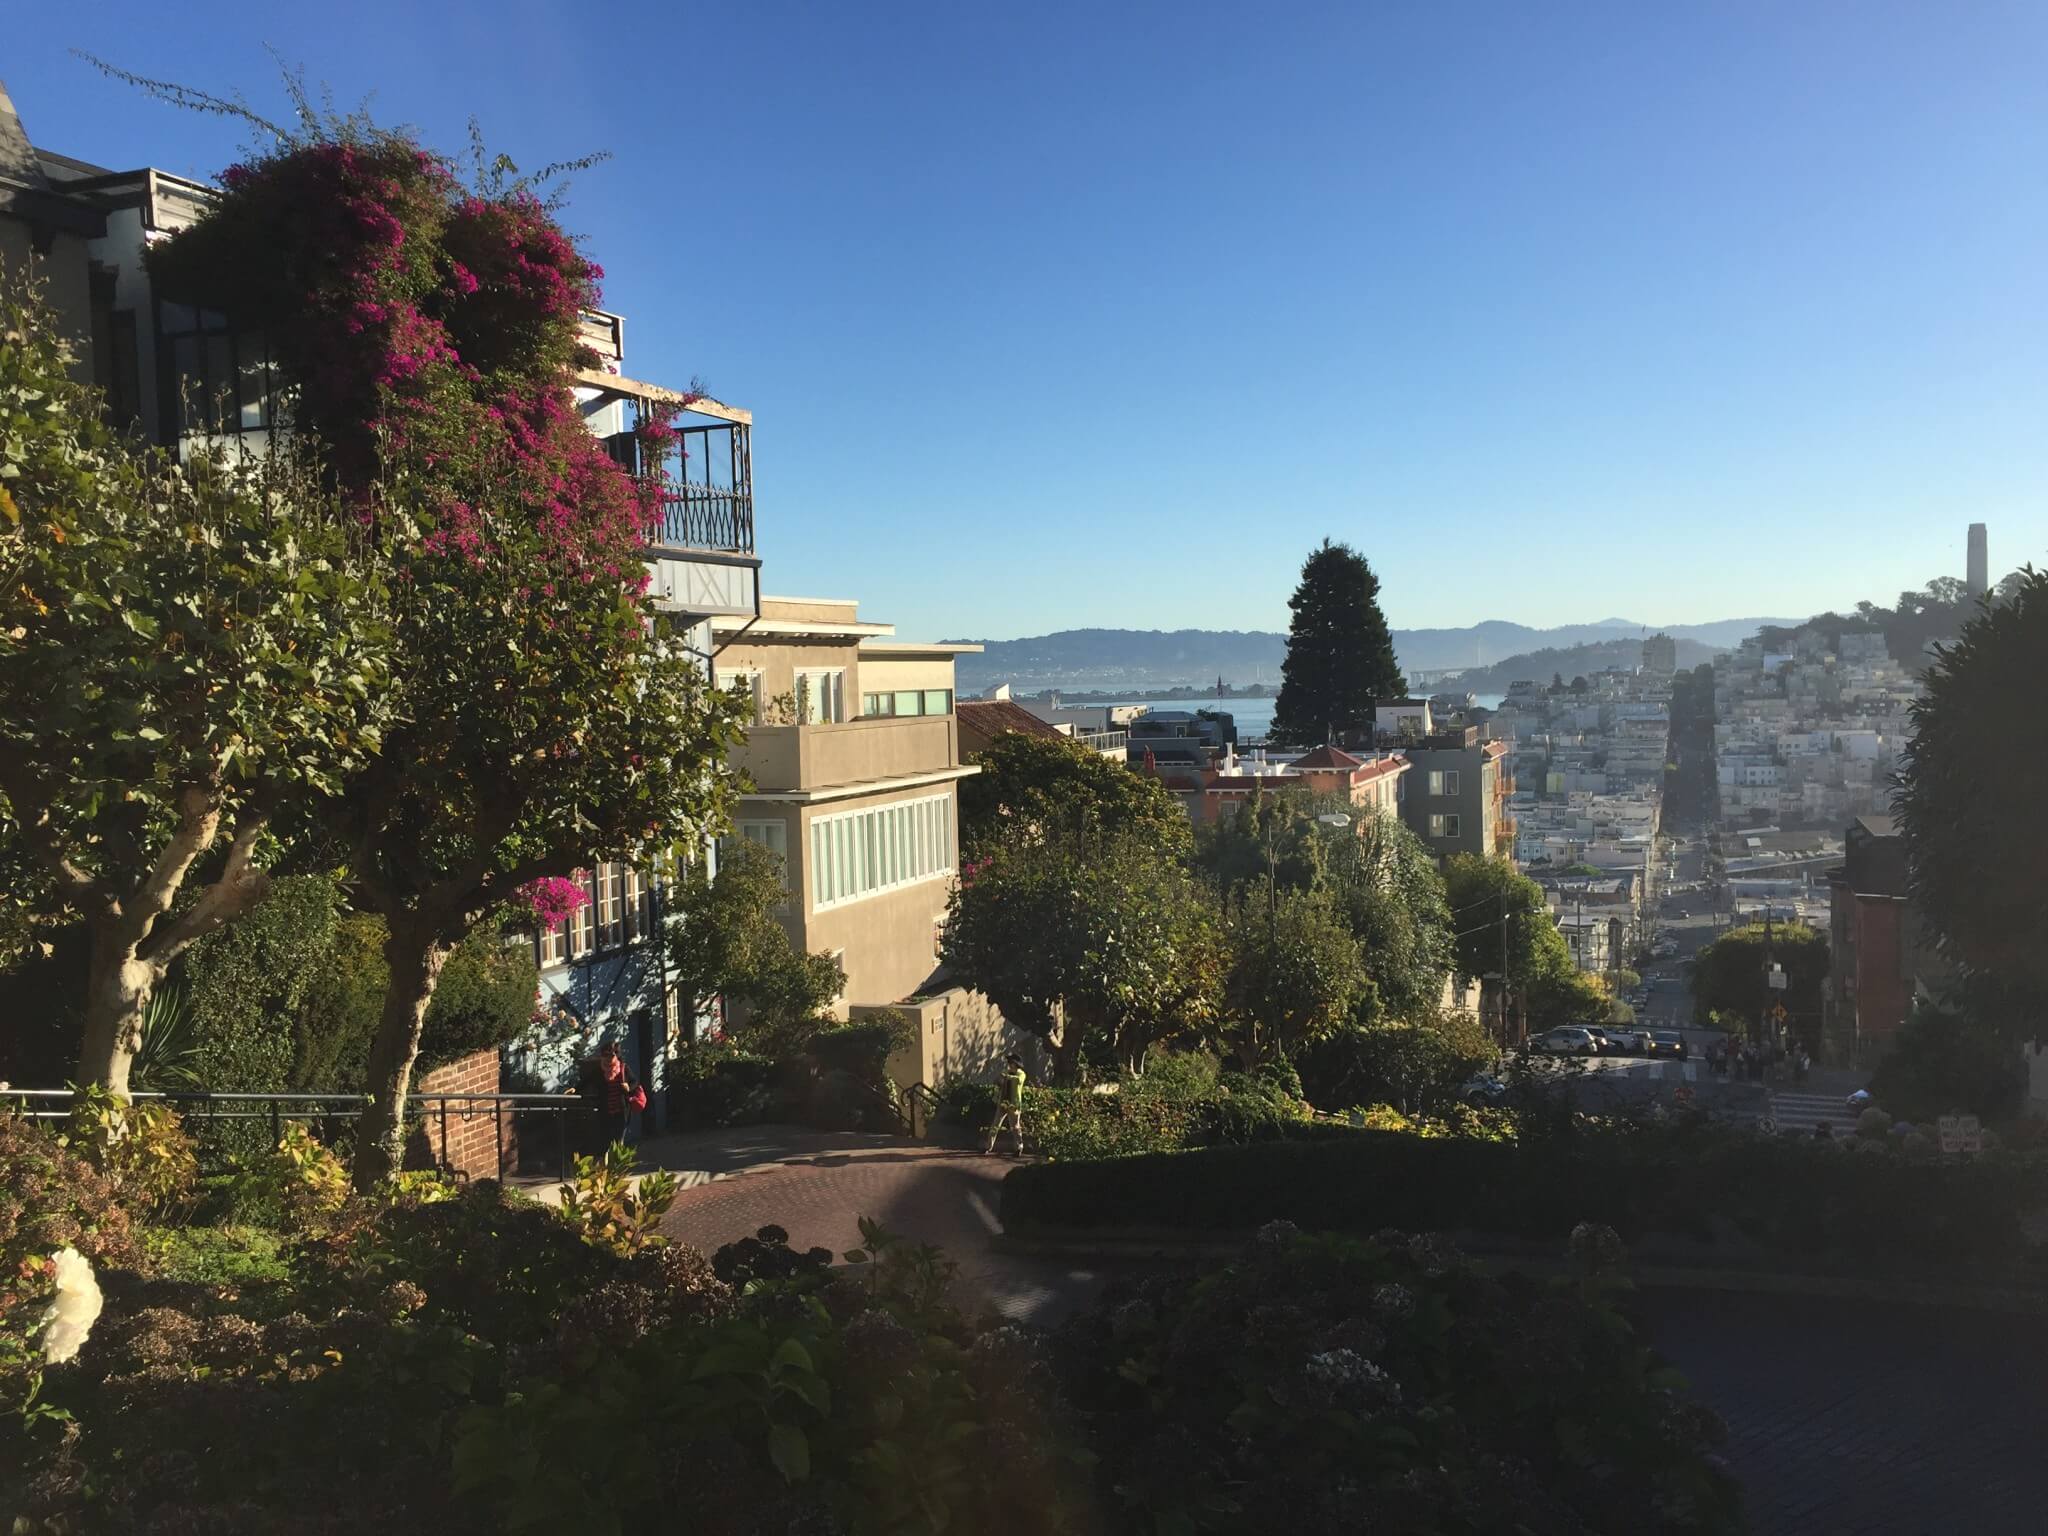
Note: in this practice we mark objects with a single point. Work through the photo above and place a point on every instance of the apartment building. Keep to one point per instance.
(854, 760)
(1880, 955)
(1456, 796)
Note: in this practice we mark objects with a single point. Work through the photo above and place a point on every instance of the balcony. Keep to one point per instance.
(1108, 743)
(786, 759)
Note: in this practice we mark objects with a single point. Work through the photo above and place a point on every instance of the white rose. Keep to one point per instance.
(76, 1309)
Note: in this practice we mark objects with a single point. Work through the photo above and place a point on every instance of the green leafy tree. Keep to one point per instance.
(1969, 796)
(1540, 972)
(1730, 976)
(549, 717)
(1033, 787)
(1381, 878)
(726, 939)
(1094, 946)
(1959, 1054)
(188, 654)
(1340, 653)
(1295, 973)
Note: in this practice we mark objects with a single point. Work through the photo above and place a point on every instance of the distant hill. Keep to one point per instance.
(1138, 659)
(1572, 661)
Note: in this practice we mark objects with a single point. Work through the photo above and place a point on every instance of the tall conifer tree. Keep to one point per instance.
(1340, 655)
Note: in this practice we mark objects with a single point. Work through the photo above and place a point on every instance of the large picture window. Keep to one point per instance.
(855, 854)
(219, 381)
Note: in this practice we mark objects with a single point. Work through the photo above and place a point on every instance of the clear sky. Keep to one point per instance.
(1054, 316)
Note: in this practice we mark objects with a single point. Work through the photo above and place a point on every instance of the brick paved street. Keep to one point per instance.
(1846, 1418)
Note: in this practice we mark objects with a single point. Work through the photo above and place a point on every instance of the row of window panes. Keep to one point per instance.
(821, 697)
(617, 913)
(1443, 781)
(908, 701)
(221, 380)
(1446, 826)
(860, 853)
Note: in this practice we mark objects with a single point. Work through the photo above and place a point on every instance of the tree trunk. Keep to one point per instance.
(118, 989)
(415, 957)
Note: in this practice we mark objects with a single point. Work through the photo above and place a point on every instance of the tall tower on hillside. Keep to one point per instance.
(1980, 562)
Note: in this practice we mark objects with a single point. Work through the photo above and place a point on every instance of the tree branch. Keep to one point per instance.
(32, 814)
(240, 886)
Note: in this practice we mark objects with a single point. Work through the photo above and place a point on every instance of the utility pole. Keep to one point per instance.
(1504, 1040)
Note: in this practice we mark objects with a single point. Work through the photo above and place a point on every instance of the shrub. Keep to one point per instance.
(1793, 1197)
(724, 1084)
(1946, 1062)
(601, 1202)
(51, 1199)
(229, 1257)
(1415, 1066)
(299, 1181)
(1323, 1384)
(862, 1046)
(141, 1148)
(1144, 1115)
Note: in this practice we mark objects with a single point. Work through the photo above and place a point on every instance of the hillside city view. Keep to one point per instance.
(1287, 1022)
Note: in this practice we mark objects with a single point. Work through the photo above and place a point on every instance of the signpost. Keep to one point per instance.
(1961, 1133)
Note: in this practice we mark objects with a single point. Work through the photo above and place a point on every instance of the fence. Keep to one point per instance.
(330, 1110)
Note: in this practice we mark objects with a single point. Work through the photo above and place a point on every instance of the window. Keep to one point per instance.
(1445, 826)
(554, 946)
(907, 701)
(749, 683)
(219, 380)
(880, 848)
(772, 835)
(821, 696)
(583, 926)
(1443, 781)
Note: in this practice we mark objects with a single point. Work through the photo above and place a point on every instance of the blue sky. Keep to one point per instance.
(1054, 316)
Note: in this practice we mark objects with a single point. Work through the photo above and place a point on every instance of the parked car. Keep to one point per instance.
(1566, 1040)
(1669, 1042)
(1624, 1041)
(1482, 1089)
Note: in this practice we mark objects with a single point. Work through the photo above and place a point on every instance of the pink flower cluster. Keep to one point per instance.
(553, 900)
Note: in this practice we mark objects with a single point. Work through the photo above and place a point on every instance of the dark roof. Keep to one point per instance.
(983, 720)
(1879, 826)
(1328, 757)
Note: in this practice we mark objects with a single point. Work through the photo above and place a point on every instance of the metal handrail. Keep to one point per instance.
(286, 1104)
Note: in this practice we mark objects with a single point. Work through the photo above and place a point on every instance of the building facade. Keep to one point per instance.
(1455, 799)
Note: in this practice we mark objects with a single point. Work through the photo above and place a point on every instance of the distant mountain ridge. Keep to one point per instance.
(1151, 658)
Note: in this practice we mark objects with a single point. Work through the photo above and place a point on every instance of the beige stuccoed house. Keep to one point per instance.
(854, 759)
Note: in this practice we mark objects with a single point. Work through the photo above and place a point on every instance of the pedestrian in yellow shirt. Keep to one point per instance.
(1009, 1103)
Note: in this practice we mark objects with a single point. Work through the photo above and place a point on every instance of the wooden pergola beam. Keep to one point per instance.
(654, 394)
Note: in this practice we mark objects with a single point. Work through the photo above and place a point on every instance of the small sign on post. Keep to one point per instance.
(1961, 1133)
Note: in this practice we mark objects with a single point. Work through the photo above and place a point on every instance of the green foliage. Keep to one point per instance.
(1331, 1383)
(1294, 975)
(484, 998)
(1728, 975)
(1031, 788)
(300, 1179)
(1126, 949)
(725, 940)
(1960, 1055)
(1976, 832)
(721, 1083)
(862, 1046)
(1417, 1067)
(602, 1202)
(235, 1257)
(1795, 1197)
(1340, 653)
(142, 1149)
(246, 984)
(1154, 1115)
(1539, 961)
(168, 1058)
(185, 648)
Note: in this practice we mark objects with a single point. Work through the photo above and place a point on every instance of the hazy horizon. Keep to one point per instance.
(1072, 316)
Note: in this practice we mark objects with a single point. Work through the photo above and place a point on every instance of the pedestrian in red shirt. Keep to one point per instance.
(621, 1095)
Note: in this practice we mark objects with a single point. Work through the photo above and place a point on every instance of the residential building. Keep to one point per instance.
(853, 760)
(1372, 784)
(981, 721)
(1880, 956)
(1395, 720)
(1456, 796)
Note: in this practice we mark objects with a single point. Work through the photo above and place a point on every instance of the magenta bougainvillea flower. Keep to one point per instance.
(554, 900)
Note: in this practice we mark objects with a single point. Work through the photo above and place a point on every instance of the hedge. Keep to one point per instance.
(1786, 1197)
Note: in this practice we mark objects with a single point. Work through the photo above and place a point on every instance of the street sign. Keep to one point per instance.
(1778, 1013)
(1777, 978)
(1961, 1133)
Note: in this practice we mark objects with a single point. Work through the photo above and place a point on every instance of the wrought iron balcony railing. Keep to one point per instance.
(707, 517)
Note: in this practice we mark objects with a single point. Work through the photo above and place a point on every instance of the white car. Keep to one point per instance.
(1566, 1040)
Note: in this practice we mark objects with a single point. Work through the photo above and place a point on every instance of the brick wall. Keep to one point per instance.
(471, 1148)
